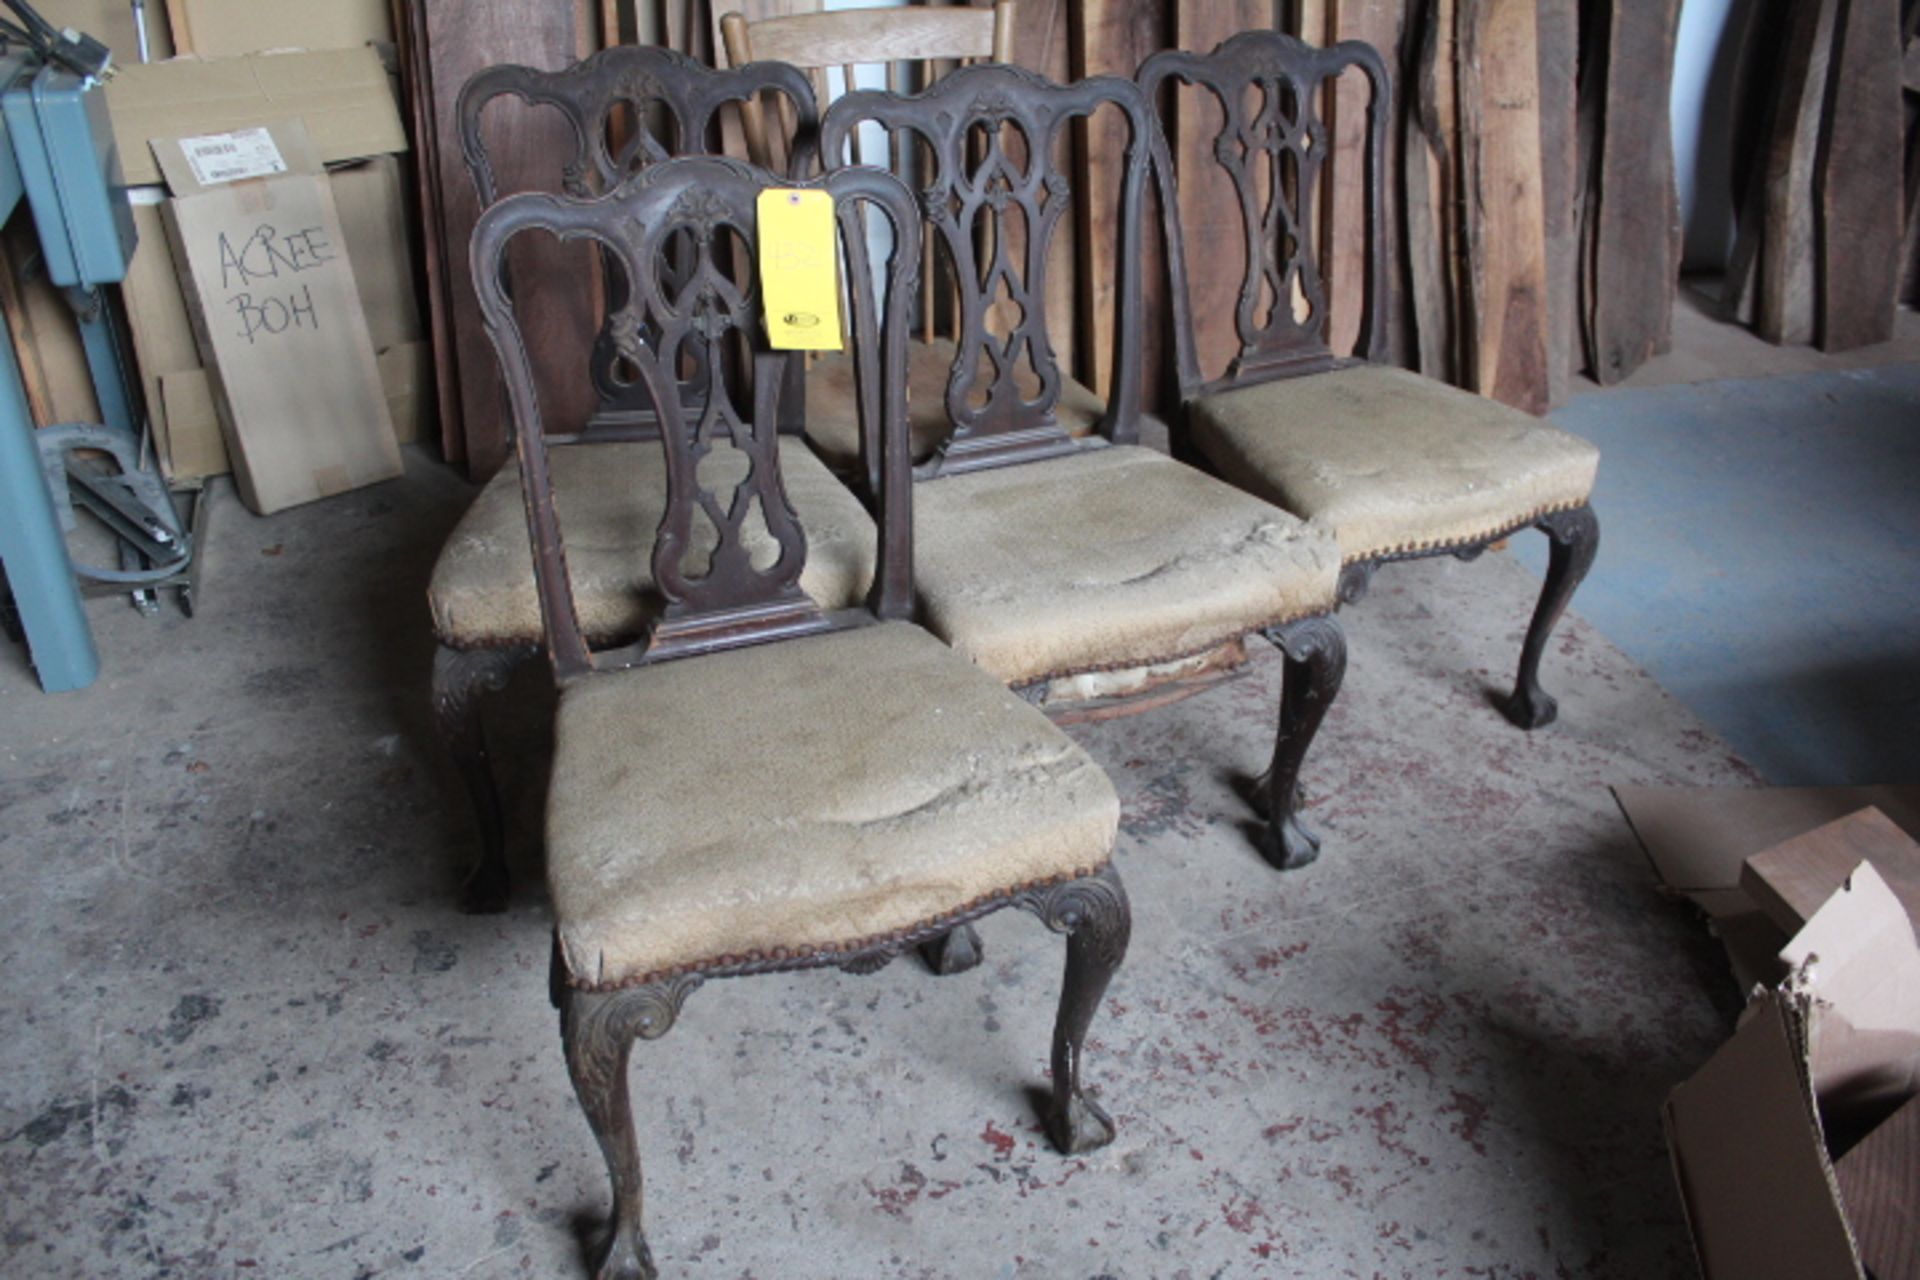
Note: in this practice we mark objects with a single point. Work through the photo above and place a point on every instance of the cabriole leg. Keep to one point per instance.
(1574, 537)
(952, 952)
(598, 1029)
(460, 676)
(1093, 912)
(1316, 662)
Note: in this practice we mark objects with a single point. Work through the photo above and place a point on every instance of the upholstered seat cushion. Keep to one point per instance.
(1107, 558)
(1391, 461)
(818, 794)
(610, 498)
(833, 421)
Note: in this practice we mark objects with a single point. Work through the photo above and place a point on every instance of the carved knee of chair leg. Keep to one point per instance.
(1316, 663)
(1574, 538)
(1094, 914)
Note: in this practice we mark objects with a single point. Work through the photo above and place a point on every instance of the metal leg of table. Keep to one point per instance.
(39, 572)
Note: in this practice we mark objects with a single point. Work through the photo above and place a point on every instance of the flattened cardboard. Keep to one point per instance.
(1880, 1187)
(371, 197)
(1795, 878)
(217, 27)
(343, 96)
(277, 316)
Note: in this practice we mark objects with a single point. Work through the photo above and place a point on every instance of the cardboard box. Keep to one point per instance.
(210, 28)
(271, 293)
(1699, 838)
(344, 96)
(1794, 1145)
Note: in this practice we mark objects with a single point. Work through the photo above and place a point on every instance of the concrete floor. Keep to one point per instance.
(250, 1037)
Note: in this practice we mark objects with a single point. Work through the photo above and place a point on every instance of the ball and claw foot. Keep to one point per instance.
(955, 951)
(1289, 845)
(1535, 709)
(626, 1258)
(1081, 1126)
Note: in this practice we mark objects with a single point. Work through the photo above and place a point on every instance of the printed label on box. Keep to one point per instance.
(229, 157)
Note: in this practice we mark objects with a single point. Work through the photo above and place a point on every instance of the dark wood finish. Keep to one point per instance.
(598, 1030)
(457, 40)
(667, 228)
(1273, 159)
(1574, 539)
(1378, 23)
(1633, 228)
(1285, 348)
(627, 107)
(1786, 307)
(1858, 179)
(688, 294)
(1316, 663)
(964, 121)
(1431, 174)
(1042, 41)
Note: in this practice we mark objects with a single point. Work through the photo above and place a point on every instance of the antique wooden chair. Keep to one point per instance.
(1073, 567)
(1397, 465)
(627, 107)
(915, 44)
(760, 784)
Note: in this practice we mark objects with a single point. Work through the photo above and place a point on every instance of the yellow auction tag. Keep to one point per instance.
(797, 277)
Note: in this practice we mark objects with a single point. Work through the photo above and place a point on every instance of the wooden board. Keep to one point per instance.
(1558, 36)
(1785, 310)
(1378, 23)
(1858, 179)
(1500, 175)
(1042, 42)
(1794, 879)
(1210, 222)
(1430, 172)
(1880, 1187)
(1110, 37)
(1633, 228)
(552, 296)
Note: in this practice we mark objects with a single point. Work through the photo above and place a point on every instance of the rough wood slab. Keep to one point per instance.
(1785, 310)
(1110, 37)
(1430, 175)
(1210, 221)
(1633, 233)
(1377, 22)
(1505, 217)
(1858, 179)
(1558, 38)
(552, 293)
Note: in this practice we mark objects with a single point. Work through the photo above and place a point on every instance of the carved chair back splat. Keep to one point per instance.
(669, 239)
(991, 133)
(628, 107)
(1272, 145)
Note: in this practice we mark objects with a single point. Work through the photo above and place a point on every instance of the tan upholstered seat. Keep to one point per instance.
(1110, 557)
(802, 796)
(1391, 461)
(833, 425)
(611, 498)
